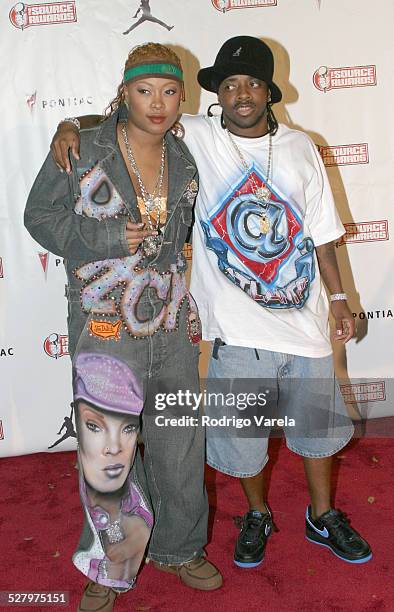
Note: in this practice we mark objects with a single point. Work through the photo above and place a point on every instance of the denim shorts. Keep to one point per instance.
(302, 391)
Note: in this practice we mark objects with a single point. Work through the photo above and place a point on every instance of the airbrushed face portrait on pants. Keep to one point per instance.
(108, 402)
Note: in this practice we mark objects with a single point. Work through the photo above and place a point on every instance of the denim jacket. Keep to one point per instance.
(82, 216)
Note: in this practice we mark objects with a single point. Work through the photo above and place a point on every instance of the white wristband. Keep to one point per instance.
(72, 120)
(334, 297)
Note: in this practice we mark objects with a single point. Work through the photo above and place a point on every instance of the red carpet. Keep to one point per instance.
(41, 519)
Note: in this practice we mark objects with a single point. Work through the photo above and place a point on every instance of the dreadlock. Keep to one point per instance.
(139, 54)
(271, 120)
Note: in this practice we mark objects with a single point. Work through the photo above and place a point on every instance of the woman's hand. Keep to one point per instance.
(125, 557)
(135, 234)
(66, 139)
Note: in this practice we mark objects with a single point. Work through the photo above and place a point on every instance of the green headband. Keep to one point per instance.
(151, 70)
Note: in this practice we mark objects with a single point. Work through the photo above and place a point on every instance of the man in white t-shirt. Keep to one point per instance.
(265, 223)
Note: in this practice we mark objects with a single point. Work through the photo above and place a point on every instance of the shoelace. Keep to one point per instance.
(251, 527)
(338, 523)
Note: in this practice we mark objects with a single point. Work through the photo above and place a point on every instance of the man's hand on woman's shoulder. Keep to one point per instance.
(66, 140)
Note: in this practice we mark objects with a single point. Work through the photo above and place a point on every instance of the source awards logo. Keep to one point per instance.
(23, 15)
(344, 155)
(359, 393)
(367, 231)
(325, 79)
(56, 346)
(229, 5)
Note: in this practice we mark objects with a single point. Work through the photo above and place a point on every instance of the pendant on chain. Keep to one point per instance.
(149, 205)
(151, 245)
(152, 202)
(263, 194)
(265, 224)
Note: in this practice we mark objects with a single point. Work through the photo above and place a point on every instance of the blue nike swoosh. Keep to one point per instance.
(322, 532)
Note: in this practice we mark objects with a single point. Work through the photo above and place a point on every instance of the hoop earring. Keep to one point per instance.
(222, 122)
(178, 130)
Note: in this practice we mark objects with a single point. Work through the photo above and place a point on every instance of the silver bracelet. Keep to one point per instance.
(72, 120)
(338, 296)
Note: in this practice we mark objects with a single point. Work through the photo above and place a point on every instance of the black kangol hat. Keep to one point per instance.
(241, 55)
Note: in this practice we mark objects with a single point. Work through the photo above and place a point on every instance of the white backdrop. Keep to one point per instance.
(334, 65)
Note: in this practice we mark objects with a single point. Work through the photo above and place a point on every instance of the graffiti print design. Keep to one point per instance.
(114, 287)
(260, 247)
(108, 401)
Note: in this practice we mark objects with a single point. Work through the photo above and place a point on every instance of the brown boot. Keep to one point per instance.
(197, 574)
(97, 598)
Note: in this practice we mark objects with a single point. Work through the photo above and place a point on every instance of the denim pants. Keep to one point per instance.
(171, 476)
(301, 388)
(133, 327)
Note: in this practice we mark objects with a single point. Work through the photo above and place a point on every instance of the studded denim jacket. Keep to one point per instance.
(82, 218)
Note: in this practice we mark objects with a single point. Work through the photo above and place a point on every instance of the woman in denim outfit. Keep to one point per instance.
(120, 220)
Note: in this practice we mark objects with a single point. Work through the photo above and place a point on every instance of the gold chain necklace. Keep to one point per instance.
(262, 194)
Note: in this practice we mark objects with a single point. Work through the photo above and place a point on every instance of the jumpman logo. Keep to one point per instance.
(68, 426)
(146, 16)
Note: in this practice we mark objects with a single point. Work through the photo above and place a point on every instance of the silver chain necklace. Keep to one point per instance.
(152, 201)
(263, 194)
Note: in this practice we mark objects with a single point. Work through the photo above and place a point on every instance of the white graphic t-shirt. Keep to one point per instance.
(255, 275)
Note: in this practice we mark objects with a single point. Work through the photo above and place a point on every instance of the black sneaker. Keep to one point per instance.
(332, 530)
(250, 544)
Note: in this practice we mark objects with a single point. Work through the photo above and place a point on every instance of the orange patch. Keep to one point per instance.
(105, 329)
